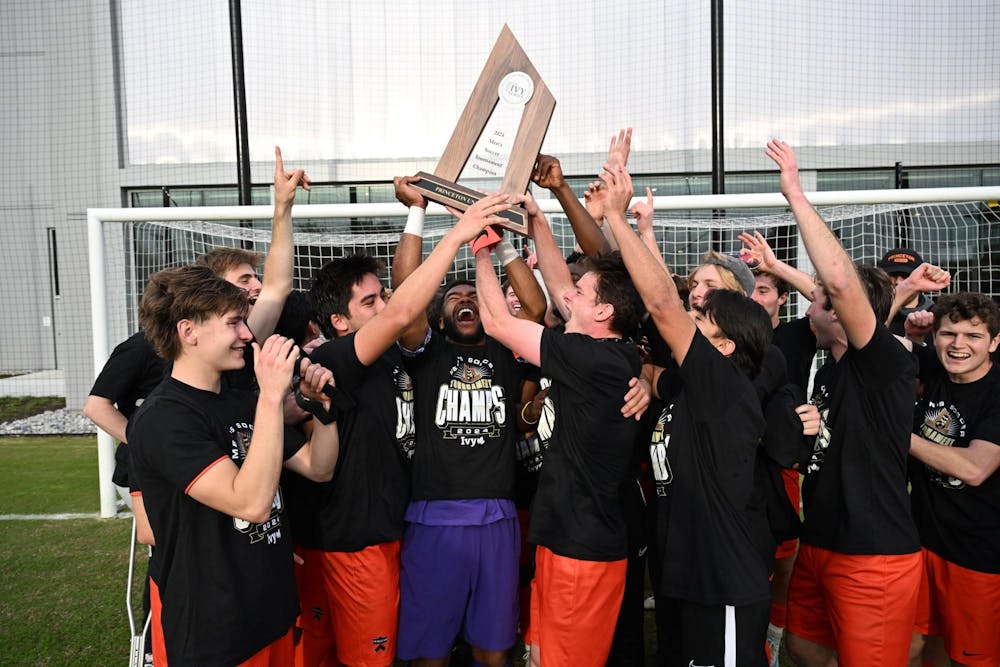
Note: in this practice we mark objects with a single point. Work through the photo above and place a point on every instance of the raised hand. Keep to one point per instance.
(759, 248)
(286, 182)
(528, 203)
(594, 198)
(642, 211)
(618, 183)
(784, 157)
(406, 193)
(478, 216)
(273, 363)
(928, 278)
(548, 173)
(621, 146)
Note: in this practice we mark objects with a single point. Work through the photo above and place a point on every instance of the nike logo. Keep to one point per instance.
(966, 653)
(691, 664)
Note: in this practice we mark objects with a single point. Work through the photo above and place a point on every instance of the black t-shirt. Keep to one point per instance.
(710, 524)
(364, 503)
(854, 491)
(798, 343)
(131, 372)
(465, 401)
(577, 509)
(226, 585)
(960, 523)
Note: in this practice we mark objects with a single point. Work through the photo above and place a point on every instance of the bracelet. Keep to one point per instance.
(525, 419)
(415, 221)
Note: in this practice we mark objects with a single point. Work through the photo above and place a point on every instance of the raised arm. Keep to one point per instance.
(548, 174)
(247, 492)
(405, 316)
(520, 336)
(649, 275)
(833, 265)
(411, 242)
(642, 211)
(924, 278)
(522, 279)
(758, 245)
(551, 263)
(280, 263)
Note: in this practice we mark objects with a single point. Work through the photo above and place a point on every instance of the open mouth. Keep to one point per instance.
(465, 315)
(959, 356)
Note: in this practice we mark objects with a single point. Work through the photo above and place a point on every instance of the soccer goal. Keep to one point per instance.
(957, 228)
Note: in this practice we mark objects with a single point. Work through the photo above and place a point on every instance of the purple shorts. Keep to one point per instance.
(458, 580)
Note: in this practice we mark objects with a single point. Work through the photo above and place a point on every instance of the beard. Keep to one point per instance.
(453, 333)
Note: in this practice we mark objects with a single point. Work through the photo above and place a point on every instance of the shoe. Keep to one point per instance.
(649, 604)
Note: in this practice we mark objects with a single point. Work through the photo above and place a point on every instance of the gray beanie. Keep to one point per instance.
(736, 266)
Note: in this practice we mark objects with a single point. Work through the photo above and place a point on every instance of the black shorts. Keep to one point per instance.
(694, 634)
(120, 475)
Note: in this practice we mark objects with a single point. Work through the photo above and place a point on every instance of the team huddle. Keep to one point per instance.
(350, 478)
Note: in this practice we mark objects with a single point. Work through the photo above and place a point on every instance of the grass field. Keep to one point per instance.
(62, 582)
(62, 587)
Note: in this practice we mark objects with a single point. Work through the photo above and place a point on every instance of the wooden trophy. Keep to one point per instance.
(499, 134)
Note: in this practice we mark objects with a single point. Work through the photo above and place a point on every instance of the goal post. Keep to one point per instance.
(958, 228)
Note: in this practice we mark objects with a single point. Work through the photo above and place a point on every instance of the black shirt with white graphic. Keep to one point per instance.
(226, 585)
(577, 509)
(854, 491)
(466, 398)
(364, 503)
(704, 449)
(959, 522)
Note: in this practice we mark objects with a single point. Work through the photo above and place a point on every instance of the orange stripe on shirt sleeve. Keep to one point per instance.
(211, 465)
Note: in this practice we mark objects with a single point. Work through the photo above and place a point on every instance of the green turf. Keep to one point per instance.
(62, 583)
(62, 592)
(47, 475)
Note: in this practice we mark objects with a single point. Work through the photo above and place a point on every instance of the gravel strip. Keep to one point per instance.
(54, 422)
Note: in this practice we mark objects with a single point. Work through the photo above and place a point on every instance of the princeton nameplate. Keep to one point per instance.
(458, 197)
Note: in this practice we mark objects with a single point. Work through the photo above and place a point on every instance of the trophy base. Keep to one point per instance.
(451, 194)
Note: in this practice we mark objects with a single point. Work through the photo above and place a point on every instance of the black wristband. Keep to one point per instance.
(315, 408)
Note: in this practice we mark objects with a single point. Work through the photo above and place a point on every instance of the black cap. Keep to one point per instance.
(900, 261)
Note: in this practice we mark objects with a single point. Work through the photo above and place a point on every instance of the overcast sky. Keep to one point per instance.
(376, 79)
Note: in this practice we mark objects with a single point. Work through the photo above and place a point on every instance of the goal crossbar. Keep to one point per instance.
(96, 218)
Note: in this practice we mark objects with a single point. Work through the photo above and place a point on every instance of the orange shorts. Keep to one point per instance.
(794, 490)
(278, 653)
(363, 590)
(574, 609)
(963, 607)
(862, 605)
(315, 647)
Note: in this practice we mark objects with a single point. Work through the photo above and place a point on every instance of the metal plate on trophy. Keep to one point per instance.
(498, 136)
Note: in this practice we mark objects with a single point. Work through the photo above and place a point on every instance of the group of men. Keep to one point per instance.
(385, 454)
